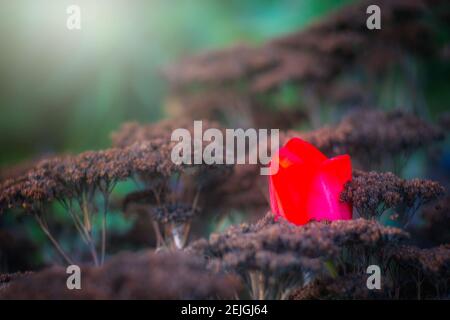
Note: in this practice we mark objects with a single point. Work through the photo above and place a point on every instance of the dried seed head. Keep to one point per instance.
(348, 287)
(318, 53)
(251, 246)
(371, 135)
(173, 213)
(371, 193)
(433, 262)
(144, 275)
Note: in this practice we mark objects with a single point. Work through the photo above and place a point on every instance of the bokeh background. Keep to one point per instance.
(65, 91)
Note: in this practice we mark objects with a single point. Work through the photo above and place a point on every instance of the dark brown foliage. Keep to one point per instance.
(237, 85)
(133, 132)
(433, 262)
(195, 184)
(156, 137)
(371, 136)
(348, 287)
(74, 181)
(145, 275)
(17, 170)
(245, 189)
(7, 278)
(173, 213)
(71, 176)
(420, 273)
(317, 53)
(141, 197)
(372, 193)
(272, 251)
(233, 109)
(437, 221)
(30, 191)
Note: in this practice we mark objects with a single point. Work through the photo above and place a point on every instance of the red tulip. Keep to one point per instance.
(305, 184)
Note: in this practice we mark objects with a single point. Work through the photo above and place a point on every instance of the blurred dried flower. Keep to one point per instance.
(427, 270)
(437, 221)
(317, 53)
(7, 278)
(74, 181)
(372, 193)
(144, 275)
(172, 186)
(348, 287)
(273, 258)
(372, 137)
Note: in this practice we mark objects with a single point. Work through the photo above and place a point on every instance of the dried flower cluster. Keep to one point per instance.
(75, 176)
(433, 262)
(410, 272)
(233, 108)
(144, 275)
(74, 181)
(133, 132)
(372, 136)
(314, 54)
(348, 287)
(274, 258)
(372, 193)
(426, 270)
(17, 170)
(177, 195)
(173, 213)
(226, 85)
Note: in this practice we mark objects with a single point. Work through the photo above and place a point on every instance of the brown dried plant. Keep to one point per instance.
(314, 53)
(348, 287)
(373, 193)
(144, 275)
(175, 196)
(274, 258)
(76, 181)
(374, 139)
(408, 273)
(420, 273)
(315, 61)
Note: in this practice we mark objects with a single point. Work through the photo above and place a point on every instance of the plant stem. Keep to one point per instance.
(105, 212)
(88, 227)
(159, 237)
(55, 243)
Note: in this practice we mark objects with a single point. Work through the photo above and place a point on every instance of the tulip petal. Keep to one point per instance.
(289, 190)
(324, 197)
(304, 151)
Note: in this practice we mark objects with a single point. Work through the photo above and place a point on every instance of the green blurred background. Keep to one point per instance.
(65, 91)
